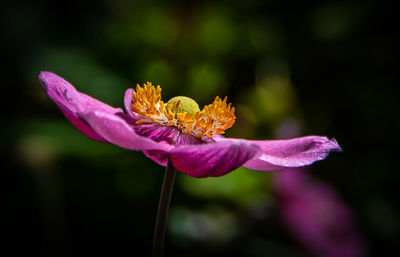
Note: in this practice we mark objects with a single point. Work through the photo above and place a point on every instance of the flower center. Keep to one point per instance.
(182, 112)
(186, 104)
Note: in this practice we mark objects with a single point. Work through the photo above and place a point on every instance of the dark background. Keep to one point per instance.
(323, 67)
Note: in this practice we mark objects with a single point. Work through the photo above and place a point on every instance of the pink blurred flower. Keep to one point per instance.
(195, 148)
(316, 216)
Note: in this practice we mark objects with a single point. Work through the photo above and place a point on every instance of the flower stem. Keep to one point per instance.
(163, 206)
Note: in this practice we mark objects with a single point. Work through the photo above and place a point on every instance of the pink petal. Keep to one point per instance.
(168, 134)
(212, 160)
(63, 93)
(297, 152)
(128, 104)
(118, 131)
(160, 157)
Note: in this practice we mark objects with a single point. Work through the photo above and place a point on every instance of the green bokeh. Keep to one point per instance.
(241, 186)
(217, 32)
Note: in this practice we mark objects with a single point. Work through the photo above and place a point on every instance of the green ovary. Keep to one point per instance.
(186, 104)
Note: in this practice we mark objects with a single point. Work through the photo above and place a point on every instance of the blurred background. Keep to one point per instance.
(289, 68)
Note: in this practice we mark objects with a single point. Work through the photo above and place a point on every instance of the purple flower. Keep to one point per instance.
(179, 131)
(316, 216)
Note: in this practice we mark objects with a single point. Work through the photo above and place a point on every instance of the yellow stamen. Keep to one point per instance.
(182, 112)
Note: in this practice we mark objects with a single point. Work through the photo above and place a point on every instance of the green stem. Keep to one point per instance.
(163, 206)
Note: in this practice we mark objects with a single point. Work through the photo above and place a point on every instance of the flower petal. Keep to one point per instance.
(118, 131)
(157, 132)
(63, 93)
(128, 104)
(212, 160)
(297, 152)
(160, 157)
(168, 134)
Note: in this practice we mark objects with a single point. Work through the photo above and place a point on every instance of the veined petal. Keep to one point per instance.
(158, 133)
(212, 160)
(66, 97)
(297, 152)
(171, 135)
(116, 130)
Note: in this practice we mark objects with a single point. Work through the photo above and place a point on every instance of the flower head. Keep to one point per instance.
(182, 112)
(179, 131)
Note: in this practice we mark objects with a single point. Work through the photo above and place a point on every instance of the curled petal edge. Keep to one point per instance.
(296, 152)
(66, 97)
(128, 104)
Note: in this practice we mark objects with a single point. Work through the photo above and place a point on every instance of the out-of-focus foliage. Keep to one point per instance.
(289, 69)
